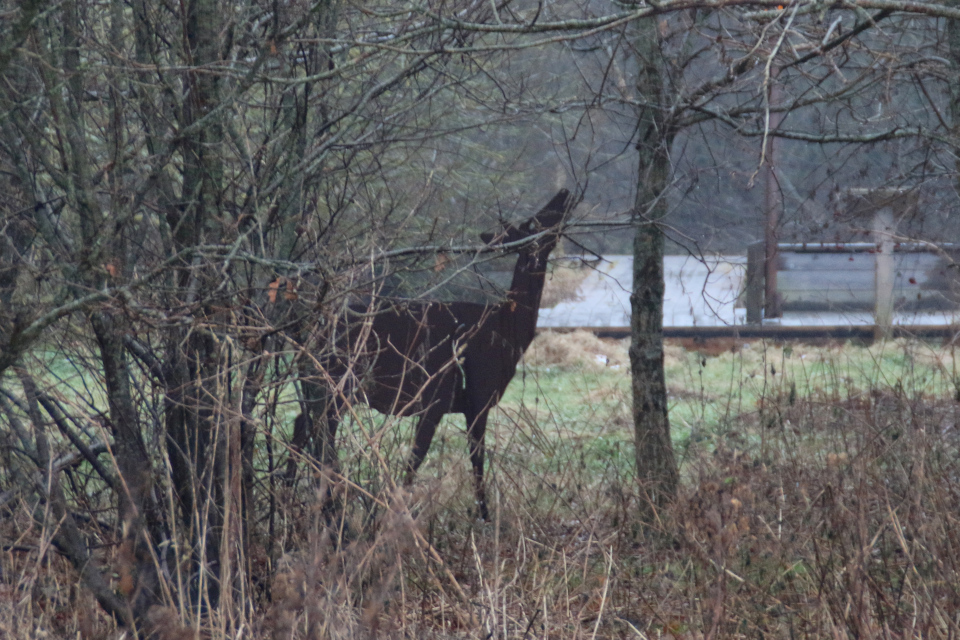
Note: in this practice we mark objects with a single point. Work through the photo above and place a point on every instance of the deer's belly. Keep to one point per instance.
(411, 394)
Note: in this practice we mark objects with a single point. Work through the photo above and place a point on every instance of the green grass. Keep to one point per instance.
(580, 414)
(577, 410)
(561, 423)
(572, 418)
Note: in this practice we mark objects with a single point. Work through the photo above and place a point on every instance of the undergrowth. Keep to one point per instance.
(820, 498)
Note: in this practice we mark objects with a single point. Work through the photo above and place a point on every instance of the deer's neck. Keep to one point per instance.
(524, 297)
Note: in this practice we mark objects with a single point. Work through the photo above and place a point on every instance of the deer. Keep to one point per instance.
(428, 359)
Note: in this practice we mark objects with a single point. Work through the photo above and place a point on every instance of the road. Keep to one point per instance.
(699, 293)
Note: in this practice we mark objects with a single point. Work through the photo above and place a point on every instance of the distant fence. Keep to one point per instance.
(857, 277)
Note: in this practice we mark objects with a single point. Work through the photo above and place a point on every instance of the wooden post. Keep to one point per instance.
(883, 227)
(883, 206)
(755, 271)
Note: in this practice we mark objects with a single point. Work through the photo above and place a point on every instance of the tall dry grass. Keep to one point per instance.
(831, 512)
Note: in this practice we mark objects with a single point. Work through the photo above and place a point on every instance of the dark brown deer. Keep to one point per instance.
(431, 358)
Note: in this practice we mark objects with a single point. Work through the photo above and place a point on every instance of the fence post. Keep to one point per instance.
(881, 204)
(884, 272)
(756, 255)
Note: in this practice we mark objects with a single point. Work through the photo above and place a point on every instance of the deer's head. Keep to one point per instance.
(549, 219)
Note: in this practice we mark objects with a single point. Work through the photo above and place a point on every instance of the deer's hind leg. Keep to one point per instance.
(315, 429)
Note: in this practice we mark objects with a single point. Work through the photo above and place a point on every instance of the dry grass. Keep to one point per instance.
(40, 596)
(576, 349)
(832, 513)
(562, 284)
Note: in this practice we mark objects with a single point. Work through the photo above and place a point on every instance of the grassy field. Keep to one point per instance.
(573, 396)
(820, 498)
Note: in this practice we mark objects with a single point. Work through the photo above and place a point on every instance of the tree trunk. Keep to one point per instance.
(197, 421)
(656, 464)
(773, 203)
(953, 53)
(139, 581)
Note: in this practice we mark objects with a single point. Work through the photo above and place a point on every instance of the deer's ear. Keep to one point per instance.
(487, 237)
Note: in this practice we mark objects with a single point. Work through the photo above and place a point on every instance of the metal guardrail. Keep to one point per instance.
(861, 276)
(778, 332)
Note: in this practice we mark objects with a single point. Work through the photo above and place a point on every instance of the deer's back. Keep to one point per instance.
(408, 356)
(414, 354)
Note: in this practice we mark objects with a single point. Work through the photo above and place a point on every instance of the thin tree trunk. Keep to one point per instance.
(773, 204)
(953, 53)
(139, 580)
(196, 423)
(656, 464)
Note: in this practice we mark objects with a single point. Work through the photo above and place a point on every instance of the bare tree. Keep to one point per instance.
(656, 463)
(184, 193)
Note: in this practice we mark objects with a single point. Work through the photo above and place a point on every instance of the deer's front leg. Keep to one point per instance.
(426, 428)
(476, 434)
